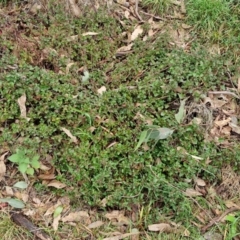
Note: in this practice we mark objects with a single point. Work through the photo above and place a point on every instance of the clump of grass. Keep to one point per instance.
(157, 6)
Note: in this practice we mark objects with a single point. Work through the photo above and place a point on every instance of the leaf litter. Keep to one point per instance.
(222, 125)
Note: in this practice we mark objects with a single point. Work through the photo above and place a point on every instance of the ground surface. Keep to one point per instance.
(119, 119)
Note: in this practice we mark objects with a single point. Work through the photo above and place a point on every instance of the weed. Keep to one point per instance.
(25, 163)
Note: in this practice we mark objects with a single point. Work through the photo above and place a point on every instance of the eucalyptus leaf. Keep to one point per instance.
(165, 133)
(15, 203)
(21, 185)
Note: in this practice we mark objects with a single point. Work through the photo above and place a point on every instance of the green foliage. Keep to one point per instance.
(141, 88)
(157, 6)
(233, 229)
(25, 163)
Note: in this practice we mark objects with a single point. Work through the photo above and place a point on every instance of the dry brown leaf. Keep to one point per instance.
(90, 34)
(200, 182)
(9, 191)
(190, 192)
(222, 123)
(137, 31)
(95, 224)
(2, 166)
(47, 176)
(161, 227)
(230, 204)
(127, 14)
(68, 67)
(72, 38)
(21, 103)
(112, 215)
(125, 48)
(56, 222)
(123, 220)
(75, 9)
(81, 216)
(73, 138)
(56, 184)
(185, 26)
(101, 90)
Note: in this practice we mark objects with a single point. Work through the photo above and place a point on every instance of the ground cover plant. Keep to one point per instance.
(121, 119)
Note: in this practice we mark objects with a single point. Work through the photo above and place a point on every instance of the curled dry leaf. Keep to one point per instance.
(190, 192)
(161, 227)
(125, 48)
(46, 176)
(90, 34)
(2, 166)
(56, 184)
(95, 224)
(101, 90)
(21, 103)
(137, 31)
(81, 216)
(200, 182)
(75, 9)
(68, 67)
(73, 138)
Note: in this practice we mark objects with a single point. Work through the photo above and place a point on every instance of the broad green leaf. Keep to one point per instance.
(35, 163)
(181, 112)
(165, 133)
(30, 171)
(14, 158)
(230, 218)
(57, 211)
(25, 160)
(153, 134)
(13, 202)
(21, 185)
(142, 139)
(23, 167)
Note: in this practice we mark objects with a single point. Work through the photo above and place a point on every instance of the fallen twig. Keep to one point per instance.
(22, 221)
(219, 218)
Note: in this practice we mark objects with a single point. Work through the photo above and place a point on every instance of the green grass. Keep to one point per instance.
(104, 165)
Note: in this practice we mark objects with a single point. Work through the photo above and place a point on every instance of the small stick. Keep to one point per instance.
(136, 10)
(218, 219)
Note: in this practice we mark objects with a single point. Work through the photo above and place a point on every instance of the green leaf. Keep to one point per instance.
(23, 167)
(30, 171)
(35, 163)
(25, 160)
(181, 112)
(21, 185)
(165, 133)
(57, 211)
(14, 158)
(85, 77)
(230, 218)
(142, 139)
(13, 202)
